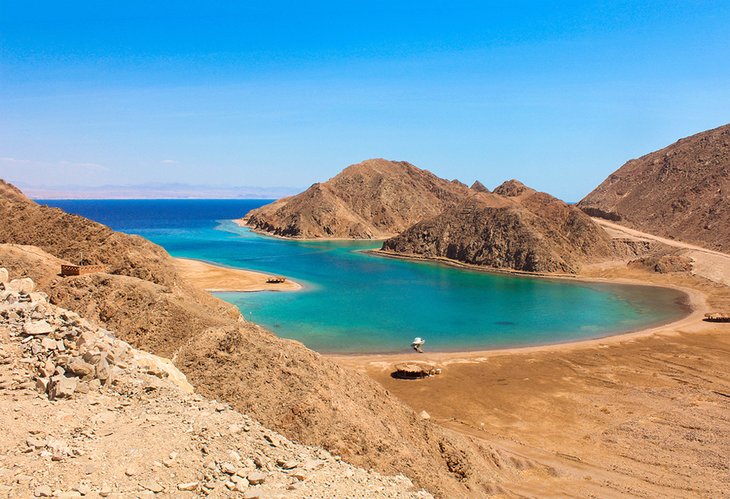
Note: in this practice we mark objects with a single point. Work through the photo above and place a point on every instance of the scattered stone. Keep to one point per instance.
(228, 468)
(4, 275)
(82, 489)
(49, 344)
(188, 486)
(288, 464)
(80, 368)
(62, 387)
(256, 478)
(37, 328)
(43, 491)
(24, 286)
(424, 415)
(103, 372)
(152, 487)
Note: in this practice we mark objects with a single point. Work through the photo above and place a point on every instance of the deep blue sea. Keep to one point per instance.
(354, 302)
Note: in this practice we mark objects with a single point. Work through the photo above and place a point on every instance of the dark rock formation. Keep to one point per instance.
(513, 228)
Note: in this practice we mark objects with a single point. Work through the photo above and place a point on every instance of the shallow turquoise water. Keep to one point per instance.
(355, 302)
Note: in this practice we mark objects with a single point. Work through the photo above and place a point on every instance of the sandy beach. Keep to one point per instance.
(643, 413)
(219, 279)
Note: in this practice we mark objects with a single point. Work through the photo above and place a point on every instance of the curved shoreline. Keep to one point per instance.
(216, 278)
(696, 301)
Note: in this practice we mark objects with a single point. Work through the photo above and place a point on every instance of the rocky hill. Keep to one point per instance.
(85, 414)
(514, 227)
(369, 200)
(280, 383)
(680, 192)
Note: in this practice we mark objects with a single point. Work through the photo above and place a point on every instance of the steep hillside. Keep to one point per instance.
(514, 227)
(281, 383)
(71, 237)
(681, 191)
(134, 421)
(373, 199)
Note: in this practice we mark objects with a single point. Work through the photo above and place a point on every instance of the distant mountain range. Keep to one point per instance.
(155, 191)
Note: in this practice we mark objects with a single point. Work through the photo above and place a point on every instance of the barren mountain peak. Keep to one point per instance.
(479, 187)
(513, 228)
(372, 199)
(512, 188)
(680, 191)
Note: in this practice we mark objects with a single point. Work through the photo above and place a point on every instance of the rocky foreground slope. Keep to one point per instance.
(681, 191)
(85, 414)
(280, 383)
(514, 227)
(369, 200)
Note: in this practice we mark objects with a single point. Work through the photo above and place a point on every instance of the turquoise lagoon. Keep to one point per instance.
(356, 302)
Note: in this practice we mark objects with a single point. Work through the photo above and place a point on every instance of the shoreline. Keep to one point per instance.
(241, 223)
(219, 279)
(696, 302)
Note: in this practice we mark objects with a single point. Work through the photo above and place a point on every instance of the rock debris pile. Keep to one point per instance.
(86, 415)
(67, 353)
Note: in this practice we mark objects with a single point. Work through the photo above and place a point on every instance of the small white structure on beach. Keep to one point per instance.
(417, 344)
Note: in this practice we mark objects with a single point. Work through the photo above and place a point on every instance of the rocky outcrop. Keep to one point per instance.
(369, 200)
(71, 237)
(280, 383)
(115, 421)
(514, 228)
(681, 191)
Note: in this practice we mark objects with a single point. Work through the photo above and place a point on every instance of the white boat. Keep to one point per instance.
(417, 344)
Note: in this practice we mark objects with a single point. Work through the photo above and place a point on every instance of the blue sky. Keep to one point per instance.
(288, 93)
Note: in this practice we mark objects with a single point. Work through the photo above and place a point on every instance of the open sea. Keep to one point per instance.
(355, 302)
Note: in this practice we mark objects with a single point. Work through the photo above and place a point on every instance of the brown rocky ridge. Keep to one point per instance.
(515, 228)
(681, 191)
(370, 200)
(280, 383)
(88, 415)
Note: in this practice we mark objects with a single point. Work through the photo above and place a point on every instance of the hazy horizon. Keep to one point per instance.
(288, 94)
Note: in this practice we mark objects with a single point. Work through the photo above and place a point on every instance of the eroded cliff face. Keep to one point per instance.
(281, 383)
(681, 191)
(514, 228)
(370, 200)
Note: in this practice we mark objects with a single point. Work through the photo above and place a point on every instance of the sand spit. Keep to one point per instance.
(214, 278)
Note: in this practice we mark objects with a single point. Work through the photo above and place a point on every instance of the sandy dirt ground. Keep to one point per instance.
(645, 414)
(712, 265)
(214, 278)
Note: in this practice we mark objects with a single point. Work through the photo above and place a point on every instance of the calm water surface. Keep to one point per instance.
(354, 302)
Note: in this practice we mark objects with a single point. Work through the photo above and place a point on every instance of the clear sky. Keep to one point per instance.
(556, 94)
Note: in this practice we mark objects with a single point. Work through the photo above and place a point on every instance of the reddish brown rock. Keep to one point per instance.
(514, 228)
(681, 191)
(373, 199)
